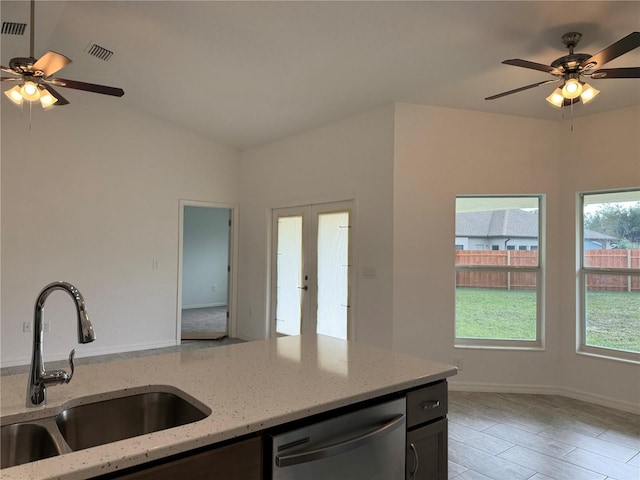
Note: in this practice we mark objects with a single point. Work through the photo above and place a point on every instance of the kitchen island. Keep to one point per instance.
(249, 388)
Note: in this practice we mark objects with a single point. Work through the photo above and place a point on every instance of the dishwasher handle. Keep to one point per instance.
(341, 447)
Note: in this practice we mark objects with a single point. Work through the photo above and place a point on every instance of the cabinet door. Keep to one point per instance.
(236, 461)
(427, 452)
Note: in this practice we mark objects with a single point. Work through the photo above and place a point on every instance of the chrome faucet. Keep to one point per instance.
(39, 378)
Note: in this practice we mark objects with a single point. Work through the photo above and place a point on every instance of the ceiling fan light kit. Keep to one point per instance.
(588, 93)
(29, 91)
(570, 68)
(14, 95)
(32, 93)
(571, 89)
(559, 99)
(34, 73)
(556, 99)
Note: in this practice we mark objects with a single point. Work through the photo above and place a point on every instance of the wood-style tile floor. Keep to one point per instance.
(540, 437)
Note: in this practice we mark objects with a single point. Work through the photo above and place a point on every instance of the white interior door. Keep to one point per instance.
(311, 270)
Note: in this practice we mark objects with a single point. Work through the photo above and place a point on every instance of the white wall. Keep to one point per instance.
(205, 256)
(350, 159)
(437, 154)
(440, 153)
(603, 152)
(93, 199)
(90, 195)
(443, 152)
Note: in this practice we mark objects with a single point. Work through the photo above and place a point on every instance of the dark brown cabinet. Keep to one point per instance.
(426, 448)
(241, 460)
(427, 433)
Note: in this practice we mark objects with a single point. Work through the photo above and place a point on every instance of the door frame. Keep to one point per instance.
(307, 229)
(233, 263)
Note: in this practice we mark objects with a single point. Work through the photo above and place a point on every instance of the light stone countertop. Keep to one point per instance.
(248, 387)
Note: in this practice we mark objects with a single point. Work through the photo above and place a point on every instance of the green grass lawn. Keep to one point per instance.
(613, 320)
(613, 317)
(489, 313)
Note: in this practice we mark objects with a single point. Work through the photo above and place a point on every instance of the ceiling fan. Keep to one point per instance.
(570, 69)
(36, 77)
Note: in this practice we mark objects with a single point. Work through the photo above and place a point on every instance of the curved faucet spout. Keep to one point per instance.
(39, 378)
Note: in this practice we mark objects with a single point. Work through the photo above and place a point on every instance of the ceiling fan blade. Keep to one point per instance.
(11, 78)
(516, 62)
(55, 94)
(631, 72)
(8, 70)
(614, 50)
(89, 87)
(527, 87)
(50, 63)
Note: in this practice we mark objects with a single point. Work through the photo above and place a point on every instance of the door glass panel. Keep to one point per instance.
(333, 274)
(289, 276)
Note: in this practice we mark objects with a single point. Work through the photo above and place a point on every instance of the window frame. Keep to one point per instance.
(495, 343)
(583, 271)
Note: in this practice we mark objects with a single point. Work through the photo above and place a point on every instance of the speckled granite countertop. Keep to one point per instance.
(249, 387)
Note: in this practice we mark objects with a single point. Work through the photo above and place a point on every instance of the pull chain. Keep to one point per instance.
(571, 116)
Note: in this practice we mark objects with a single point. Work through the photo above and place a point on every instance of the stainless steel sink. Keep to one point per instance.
(108, 421)
(24, 443)
(86, 422)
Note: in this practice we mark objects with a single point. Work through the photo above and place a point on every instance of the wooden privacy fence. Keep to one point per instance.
(527, 280)
(613, 259)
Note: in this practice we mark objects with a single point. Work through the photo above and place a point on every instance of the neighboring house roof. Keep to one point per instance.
(593, 235)
(497, 223)
(507, 223)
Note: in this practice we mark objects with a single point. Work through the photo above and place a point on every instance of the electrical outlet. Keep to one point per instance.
(155, 265)
(47, 326)
(26, 327)
(457, 362)
(214, 288)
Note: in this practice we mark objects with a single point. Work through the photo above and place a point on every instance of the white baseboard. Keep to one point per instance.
(631, 407)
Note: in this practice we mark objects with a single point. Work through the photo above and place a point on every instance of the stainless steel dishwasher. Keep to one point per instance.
(368, 444)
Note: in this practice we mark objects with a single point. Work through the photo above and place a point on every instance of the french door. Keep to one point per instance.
(311, 269)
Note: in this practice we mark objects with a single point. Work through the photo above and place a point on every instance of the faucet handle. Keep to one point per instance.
(71, 365)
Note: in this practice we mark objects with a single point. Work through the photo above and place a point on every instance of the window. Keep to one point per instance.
(498, 291)
(609, 280)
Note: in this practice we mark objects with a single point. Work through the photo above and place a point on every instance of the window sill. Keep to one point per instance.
(515, 346)
(604, 354)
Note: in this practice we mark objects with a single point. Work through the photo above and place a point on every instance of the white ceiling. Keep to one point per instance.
(246, 73)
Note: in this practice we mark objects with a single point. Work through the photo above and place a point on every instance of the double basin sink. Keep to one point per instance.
(84, 424)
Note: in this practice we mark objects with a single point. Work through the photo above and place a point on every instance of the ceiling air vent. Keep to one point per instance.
(13, 28)
(99, 52)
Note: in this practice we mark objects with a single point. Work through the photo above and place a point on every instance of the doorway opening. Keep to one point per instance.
(205, 286)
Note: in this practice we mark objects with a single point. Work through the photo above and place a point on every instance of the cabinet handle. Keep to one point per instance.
(430, 405)
(341, 447)
(415, 457)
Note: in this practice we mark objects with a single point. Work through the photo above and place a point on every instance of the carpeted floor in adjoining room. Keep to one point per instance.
(208, 322)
